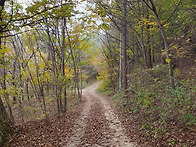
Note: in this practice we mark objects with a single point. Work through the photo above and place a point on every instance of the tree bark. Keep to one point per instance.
(73, 59)
(171, 72)
(52, 54)
(149, 48)
(120, 65)
(63, 61)
(142, 37)
(124, 44)
(5, 123)
(169, 56)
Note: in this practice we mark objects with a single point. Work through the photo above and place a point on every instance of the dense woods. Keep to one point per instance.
(143, 51)
(149, 49)
(45, 58)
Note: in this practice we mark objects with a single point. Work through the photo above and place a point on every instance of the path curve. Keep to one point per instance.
(98, 125)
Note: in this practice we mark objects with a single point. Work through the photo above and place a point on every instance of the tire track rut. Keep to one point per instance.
(98, 125)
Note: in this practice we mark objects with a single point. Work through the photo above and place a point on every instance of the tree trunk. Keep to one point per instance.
(149, 48)
(27, 91)
(63, 61)
(142, 38)
(52, 54)
(73, 59)
(120, 64)
(5, 123)
(124, 44)
(169, 56)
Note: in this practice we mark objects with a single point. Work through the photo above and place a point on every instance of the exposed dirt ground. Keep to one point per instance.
(92, 124)
(97, 125)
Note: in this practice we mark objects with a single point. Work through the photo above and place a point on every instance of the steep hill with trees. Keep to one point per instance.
(149, 51)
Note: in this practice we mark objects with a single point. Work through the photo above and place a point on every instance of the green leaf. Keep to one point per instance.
(101, 13)
(105, 26)
(3, 50)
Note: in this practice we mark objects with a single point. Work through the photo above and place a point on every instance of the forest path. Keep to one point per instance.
(97, 125)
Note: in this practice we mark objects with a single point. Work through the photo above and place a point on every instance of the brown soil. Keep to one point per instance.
(98, 125)
(93, 123)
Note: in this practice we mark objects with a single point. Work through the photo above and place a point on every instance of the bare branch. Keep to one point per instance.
(172, 13)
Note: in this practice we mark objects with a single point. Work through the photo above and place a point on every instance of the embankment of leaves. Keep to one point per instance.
(156, 114)
(53, 132)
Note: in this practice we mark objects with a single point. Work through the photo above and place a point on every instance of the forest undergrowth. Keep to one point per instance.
(154, 113)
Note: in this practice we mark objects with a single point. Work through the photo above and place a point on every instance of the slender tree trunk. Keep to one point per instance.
(13, 82)
(60, 98)
(79, 78)
(34, 88)
(63, 62)
(124, 44)
(6, 95)
(5, 124)
(81, 81)
(149, 48)
(52, 54)
(65, 98)
(44, 102)
(152, 47)
(14, 71)
(169, 56)
(78, 71)
(142, 37)
(4, 86)
(20, 98)
(27, 91)
(120, 65)
(40, 85)
(72, 56)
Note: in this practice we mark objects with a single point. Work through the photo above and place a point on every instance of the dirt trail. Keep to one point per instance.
(98, 125)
